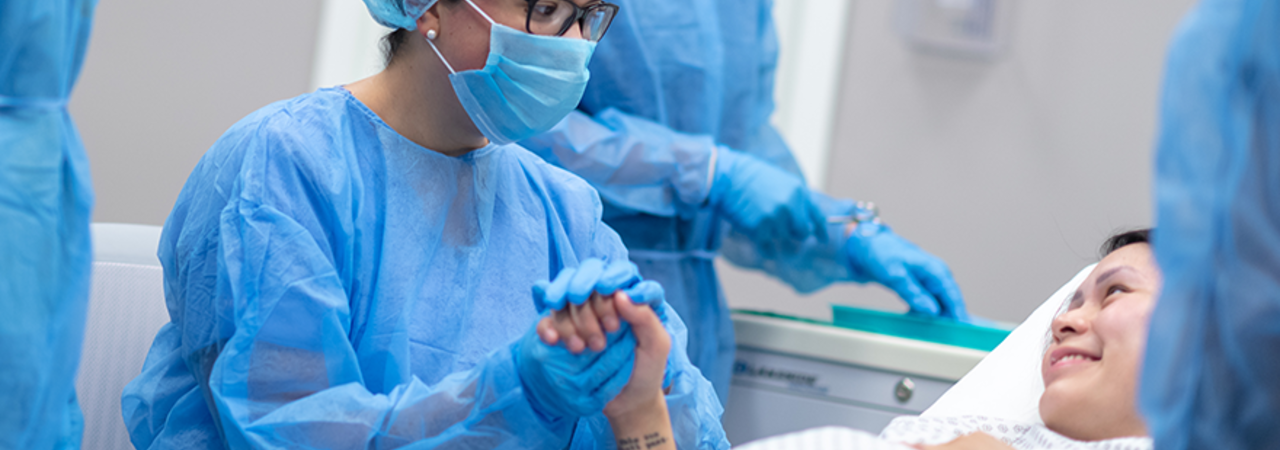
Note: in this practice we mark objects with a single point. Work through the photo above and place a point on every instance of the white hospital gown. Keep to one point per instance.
(940, 430)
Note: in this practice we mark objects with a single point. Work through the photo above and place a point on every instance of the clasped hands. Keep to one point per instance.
(600, 345)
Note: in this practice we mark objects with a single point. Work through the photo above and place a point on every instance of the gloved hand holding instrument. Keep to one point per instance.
(875, 253)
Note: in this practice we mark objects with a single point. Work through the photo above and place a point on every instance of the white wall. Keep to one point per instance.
(1013, 171)
(348, 44)
(810, 53)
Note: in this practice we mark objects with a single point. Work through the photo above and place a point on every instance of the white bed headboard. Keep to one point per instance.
(1007, 383)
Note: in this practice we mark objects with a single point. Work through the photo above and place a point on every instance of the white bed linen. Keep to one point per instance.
(1019, 435)
(906, 431)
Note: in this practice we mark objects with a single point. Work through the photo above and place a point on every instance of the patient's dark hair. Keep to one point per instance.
(1113, 243)
(392, 41)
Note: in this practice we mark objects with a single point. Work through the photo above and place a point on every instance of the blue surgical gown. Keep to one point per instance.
(331, 284)
(1212, 371)
(45, 204)
(672, 83)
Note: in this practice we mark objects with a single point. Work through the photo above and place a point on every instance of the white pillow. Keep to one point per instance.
(1007, 384)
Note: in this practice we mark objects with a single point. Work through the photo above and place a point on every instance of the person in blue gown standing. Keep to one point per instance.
(45, 204)
(363, 266)
(674, 132)
(1210, 375)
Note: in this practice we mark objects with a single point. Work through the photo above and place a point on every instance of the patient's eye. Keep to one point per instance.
(1112, 290)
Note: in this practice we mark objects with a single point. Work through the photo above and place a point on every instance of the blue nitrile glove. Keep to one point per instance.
(575, 285)
(764, 202)
(878, 254)
(562, 385)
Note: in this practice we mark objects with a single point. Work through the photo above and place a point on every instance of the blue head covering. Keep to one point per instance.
(398, 13)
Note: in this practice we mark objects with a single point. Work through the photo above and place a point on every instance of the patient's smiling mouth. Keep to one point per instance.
(1070, 358)
(1064, 360)
(1067, 355)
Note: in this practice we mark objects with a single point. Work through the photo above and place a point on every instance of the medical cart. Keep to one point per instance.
(792, 374)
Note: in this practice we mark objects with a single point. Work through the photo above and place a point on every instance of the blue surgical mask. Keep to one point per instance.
(527, 85)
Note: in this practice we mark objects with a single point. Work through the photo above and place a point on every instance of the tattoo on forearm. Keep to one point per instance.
(651, 440)
(628, 444)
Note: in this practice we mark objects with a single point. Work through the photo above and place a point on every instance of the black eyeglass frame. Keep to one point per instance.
(578, 13)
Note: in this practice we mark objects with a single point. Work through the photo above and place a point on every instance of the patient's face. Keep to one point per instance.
(1091, 369)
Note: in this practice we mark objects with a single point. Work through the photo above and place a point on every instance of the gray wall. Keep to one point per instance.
(1012, 171)
(163, 79)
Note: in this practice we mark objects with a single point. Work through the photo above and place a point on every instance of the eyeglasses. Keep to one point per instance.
(554, 17)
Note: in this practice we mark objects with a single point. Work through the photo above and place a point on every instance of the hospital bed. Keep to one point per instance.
(792, 374)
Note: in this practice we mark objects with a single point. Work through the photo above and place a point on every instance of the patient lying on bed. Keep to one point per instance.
(1089, 368)
(1090, 372)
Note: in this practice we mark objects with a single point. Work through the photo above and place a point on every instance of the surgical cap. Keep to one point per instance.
(398, 13)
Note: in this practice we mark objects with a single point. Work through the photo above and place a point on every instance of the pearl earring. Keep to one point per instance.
(431, 35)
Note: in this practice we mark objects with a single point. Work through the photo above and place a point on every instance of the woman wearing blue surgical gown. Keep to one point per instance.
(1212, 371)
(45, 204)
(674, 132)
(352, 268)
